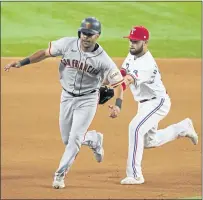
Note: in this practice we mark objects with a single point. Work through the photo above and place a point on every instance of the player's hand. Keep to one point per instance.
(114, 111)
(13, 64)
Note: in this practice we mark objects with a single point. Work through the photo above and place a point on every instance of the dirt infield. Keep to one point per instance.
(31, 144)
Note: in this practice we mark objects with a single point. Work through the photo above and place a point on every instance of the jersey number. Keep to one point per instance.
(154, 75)
(135, 72)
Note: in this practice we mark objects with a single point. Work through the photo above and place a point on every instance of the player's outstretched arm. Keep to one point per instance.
(119, 91)
(34, 58)
(115, 109)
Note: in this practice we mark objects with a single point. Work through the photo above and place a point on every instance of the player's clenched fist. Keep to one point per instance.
(13, 64)
(114, 111)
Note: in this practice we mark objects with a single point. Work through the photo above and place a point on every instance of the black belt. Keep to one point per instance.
(80, 95)
(144, 100)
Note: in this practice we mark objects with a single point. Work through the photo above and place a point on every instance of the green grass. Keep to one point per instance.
(175, 27)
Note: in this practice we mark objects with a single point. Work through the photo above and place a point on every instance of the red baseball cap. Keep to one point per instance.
(138, 33)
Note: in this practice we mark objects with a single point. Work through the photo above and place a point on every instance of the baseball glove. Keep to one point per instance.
(105, 94)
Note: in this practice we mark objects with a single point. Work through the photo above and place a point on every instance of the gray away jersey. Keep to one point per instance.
(82, 72)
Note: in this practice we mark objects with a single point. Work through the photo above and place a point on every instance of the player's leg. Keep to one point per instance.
(148, 115)
(94, 140)
(66, 118)
(82, 119)
(65, 124)
(183, 128)
(83, 114)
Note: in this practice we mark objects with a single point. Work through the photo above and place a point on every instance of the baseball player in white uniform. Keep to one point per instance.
(144, 79)
(83, 67)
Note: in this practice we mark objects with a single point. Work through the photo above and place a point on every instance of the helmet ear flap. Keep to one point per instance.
(79, 34)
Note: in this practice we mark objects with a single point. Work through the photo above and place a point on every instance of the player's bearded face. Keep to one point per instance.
(88, 40)
(136, 47)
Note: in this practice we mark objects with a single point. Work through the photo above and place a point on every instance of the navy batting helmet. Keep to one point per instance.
(90, 25)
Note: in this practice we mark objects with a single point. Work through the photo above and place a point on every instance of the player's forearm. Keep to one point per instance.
(119, 96)
(118, 92)
(38, 56)
(105, 83)
(34, 58)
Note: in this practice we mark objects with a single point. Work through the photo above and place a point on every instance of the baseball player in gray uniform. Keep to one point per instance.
(84, 66)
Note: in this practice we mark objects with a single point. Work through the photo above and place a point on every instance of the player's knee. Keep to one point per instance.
(65, 139)
(136, 128)
(149, 145)
(132, 126)
(76, 140)
(65, 142)
(149, 142)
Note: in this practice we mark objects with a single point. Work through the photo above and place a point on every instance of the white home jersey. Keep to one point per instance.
(147, 78)
(82, 72)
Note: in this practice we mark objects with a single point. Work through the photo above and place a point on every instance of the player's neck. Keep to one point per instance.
(90, 49)
(142, 53)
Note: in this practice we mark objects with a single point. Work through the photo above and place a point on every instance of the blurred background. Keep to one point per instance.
(175, 27)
